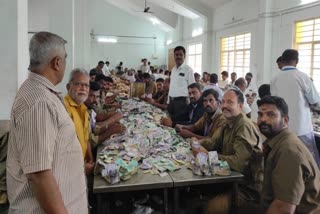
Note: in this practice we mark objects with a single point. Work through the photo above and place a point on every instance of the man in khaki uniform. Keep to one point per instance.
(211, 120)
(291, 176)
(235, 143)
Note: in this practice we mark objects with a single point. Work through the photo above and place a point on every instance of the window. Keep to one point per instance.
(307, 42)
(235, 54)
(195, 57)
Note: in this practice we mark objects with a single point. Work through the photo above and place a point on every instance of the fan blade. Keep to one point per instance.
(146, 9)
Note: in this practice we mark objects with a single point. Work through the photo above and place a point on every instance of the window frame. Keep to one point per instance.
(234, 66)
(195, 56)
(312, 43)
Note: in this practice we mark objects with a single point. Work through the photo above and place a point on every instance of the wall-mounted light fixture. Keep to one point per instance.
(169, 42)
(106, 39)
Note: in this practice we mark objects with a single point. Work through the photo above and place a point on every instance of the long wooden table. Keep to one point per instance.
(185, 178)
(176, 180)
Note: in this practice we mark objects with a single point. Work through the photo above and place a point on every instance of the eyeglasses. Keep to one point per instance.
(80, 84)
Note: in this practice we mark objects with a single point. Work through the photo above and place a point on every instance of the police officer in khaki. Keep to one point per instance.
(291, 176)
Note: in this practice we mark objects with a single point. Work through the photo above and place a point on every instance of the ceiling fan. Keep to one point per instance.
(146, 9)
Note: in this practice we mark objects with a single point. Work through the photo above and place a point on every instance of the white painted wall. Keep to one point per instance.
(106, 19)
(272, 29)
(14, 46)
(182, 35)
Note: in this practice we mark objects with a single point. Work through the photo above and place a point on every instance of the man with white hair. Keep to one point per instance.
(45, 171)
(78, 90)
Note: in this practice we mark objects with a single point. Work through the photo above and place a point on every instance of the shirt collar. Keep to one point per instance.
(182, 65)
(273, 141)
(215, 114)
(288, 67)
(230, 123)
(44, 81)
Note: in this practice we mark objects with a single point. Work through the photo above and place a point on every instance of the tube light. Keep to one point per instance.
(107, 40)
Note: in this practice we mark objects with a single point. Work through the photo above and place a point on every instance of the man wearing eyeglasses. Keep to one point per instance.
(78, 90)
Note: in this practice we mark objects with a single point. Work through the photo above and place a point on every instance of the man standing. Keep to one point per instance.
(106, 69)
(181, 77)
(145, 68)
(78, 89)
(291, 176)
(45, 170)
(212, 119)
(299, 92)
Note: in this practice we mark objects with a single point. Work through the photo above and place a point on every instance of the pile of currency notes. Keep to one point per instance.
(145, 144)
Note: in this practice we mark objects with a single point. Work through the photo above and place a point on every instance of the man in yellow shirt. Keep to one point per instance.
(78, 89)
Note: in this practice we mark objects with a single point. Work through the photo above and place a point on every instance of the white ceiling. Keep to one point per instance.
(166, 11)
(214, 3)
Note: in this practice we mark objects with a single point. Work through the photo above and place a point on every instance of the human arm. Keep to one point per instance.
(242, 144)
(46, 191)
(116, 117)
(89, 161)
(38, 127)
(281, 207)
(187, 134)
(104, 116)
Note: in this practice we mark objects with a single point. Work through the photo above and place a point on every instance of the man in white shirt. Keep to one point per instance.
(233, 78)
(213, 85)
(252, 89)
(145, 68)
(106, 69)
(223, 83)
(240, 84)
(181, 78)
(299, 92)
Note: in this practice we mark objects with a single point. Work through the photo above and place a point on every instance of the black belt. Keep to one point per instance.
(178, 98)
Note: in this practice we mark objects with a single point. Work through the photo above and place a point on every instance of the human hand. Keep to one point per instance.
(88, 166)
(166, 121)
(178, 127)
(185, 133)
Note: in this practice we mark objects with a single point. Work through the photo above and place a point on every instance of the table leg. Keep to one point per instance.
(176, 207)
(103, 204)
(165, 201)
(234, 197)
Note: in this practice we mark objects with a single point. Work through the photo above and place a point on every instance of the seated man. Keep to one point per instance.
(161, 102)
(160, 91)
(151, 88)
(235, 143)
(108, 103)
(102, 125)
(78, 89)
(93, 73)
(195, 108)
(211, 120)
(291, 176)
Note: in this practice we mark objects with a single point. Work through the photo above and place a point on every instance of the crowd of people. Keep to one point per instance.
(53, 140)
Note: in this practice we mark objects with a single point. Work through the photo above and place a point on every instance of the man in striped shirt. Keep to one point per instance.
(45, 172)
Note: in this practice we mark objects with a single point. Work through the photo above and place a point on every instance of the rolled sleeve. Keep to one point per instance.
(36, 137)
